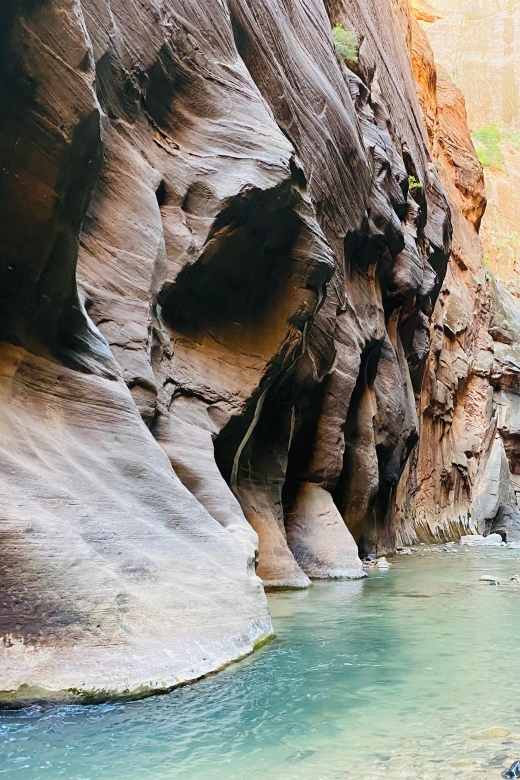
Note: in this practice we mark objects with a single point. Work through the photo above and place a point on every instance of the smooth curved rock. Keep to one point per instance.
(318, 537)
(476, 540)
(94, 522)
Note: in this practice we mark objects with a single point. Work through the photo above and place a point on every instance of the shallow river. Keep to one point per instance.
(394, 676)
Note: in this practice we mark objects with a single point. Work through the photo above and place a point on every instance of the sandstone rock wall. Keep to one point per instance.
(459, 477)
(477, 41)
(216, 291)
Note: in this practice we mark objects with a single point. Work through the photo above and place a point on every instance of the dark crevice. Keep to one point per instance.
(160, 194)
(243, 269)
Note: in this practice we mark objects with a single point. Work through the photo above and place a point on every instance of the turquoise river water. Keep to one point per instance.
(395, 676)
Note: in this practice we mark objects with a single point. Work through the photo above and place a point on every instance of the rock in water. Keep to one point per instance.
(493, 540)
(489, 578)
(477, 540)
(513, 771)
(471, 539)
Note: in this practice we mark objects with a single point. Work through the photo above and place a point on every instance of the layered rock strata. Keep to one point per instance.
(459, 477)
(216, 290)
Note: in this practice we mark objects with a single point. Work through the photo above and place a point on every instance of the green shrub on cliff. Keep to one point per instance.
(489, 142)
(346, 43)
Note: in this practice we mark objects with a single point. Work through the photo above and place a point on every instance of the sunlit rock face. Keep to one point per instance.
(216, 290)
(477, 41)
(461, 475)
(478, 44)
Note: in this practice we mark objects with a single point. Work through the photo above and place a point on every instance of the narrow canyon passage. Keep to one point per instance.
(259, 371)
(410, 673)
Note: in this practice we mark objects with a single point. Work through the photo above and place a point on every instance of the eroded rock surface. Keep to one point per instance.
(461, 476)
(221, 248)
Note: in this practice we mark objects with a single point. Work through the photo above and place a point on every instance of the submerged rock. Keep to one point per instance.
(493, 732)
(463, 762)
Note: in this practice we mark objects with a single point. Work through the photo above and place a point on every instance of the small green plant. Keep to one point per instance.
(346, 43)
(487, 146)
(513, 239)
(487, 260)
(413, 184)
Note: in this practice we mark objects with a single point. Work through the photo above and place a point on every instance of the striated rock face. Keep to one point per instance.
(459, 476)
(216, 290)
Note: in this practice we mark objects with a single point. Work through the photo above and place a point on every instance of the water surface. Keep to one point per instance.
(390, 677)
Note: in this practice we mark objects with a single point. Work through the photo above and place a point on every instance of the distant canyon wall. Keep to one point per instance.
(477, 43)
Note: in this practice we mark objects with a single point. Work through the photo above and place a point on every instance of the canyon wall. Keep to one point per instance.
(222, 247)
(476, 42)
(461, 477)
